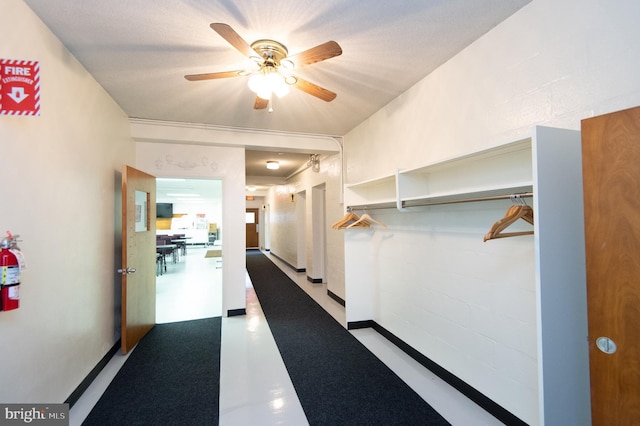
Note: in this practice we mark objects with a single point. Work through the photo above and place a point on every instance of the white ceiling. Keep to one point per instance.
(139, 51)
(187, 190)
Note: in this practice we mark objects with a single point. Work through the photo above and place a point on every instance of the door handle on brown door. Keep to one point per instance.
(126, 271)
(606, 345)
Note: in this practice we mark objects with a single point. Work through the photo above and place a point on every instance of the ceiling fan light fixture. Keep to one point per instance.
(266, 82)
(269, 56)
(282, 90)
(276, 84)
(256, 82)
(273, 165)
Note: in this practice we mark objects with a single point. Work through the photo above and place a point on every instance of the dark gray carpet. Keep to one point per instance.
(338, 380)
(171, 378)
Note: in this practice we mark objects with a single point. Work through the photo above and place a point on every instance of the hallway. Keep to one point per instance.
(255, 386)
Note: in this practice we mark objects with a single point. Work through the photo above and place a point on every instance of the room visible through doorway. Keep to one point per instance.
(189, 284)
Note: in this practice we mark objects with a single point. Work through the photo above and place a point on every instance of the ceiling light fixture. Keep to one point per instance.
(273, 75)
(273, 165)
(268, 81)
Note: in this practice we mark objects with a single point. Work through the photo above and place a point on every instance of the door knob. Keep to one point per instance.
(126, 271)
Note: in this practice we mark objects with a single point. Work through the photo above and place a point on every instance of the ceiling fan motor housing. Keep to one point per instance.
(271, 51)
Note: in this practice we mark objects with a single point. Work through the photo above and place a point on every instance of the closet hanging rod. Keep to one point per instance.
(438, 202)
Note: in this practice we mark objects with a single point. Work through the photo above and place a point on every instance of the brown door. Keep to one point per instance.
(138, 256)
(252, 228)
(611, 173)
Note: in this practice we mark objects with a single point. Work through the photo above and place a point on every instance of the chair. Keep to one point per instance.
(164, 240)
(180, 241)
(160, 265)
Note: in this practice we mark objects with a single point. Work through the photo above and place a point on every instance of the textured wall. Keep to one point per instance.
(62, 195)
(467, 305)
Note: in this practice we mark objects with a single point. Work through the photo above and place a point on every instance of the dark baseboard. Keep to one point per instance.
(236, 312)
(335, 297)
(356, 325)
(314, 280)
(288, 264)
(470, 392)
(84, 385)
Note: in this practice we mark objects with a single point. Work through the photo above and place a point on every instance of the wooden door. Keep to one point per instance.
(138, 256)
(252, 221)
(611, 174)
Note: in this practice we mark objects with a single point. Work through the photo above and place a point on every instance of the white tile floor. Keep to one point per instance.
(255, 388)
(190, 289)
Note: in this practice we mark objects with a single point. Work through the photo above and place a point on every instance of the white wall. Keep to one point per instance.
(284, 232)
(469, 306)
(282, 225)
(61, 194)
(209, 162)
(552, 63)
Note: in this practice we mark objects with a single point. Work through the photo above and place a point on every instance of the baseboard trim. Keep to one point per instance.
(467, 390)
(84, 385)
(288, 264)
(335, 297)
(236, 312)
(356, 325)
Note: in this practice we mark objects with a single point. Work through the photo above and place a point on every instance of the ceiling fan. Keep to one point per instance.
(274, 67)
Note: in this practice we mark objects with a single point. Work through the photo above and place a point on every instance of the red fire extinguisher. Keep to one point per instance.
(9, 274)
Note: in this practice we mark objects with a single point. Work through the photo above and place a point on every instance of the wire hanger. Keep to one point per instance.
(517, 211)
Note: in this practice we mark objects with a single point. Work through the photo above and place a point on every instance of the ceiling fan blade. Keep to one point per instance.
(234, 39)
(212, 76)
(260, 103)
(316, 54)
(314, 90)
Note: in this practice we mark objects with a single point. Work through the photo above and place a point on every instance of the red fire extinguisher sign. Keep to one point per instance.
(19, 87)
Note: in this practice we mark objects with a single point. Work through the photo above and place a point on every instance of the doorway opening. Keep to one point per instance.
(189, 282)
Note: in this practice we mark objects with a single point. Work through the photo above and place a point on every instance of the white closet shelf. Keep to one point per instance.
(373, 182)
(374, 191)
(457, 196)
(498, 171)
(474, 156)
(547, 164)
